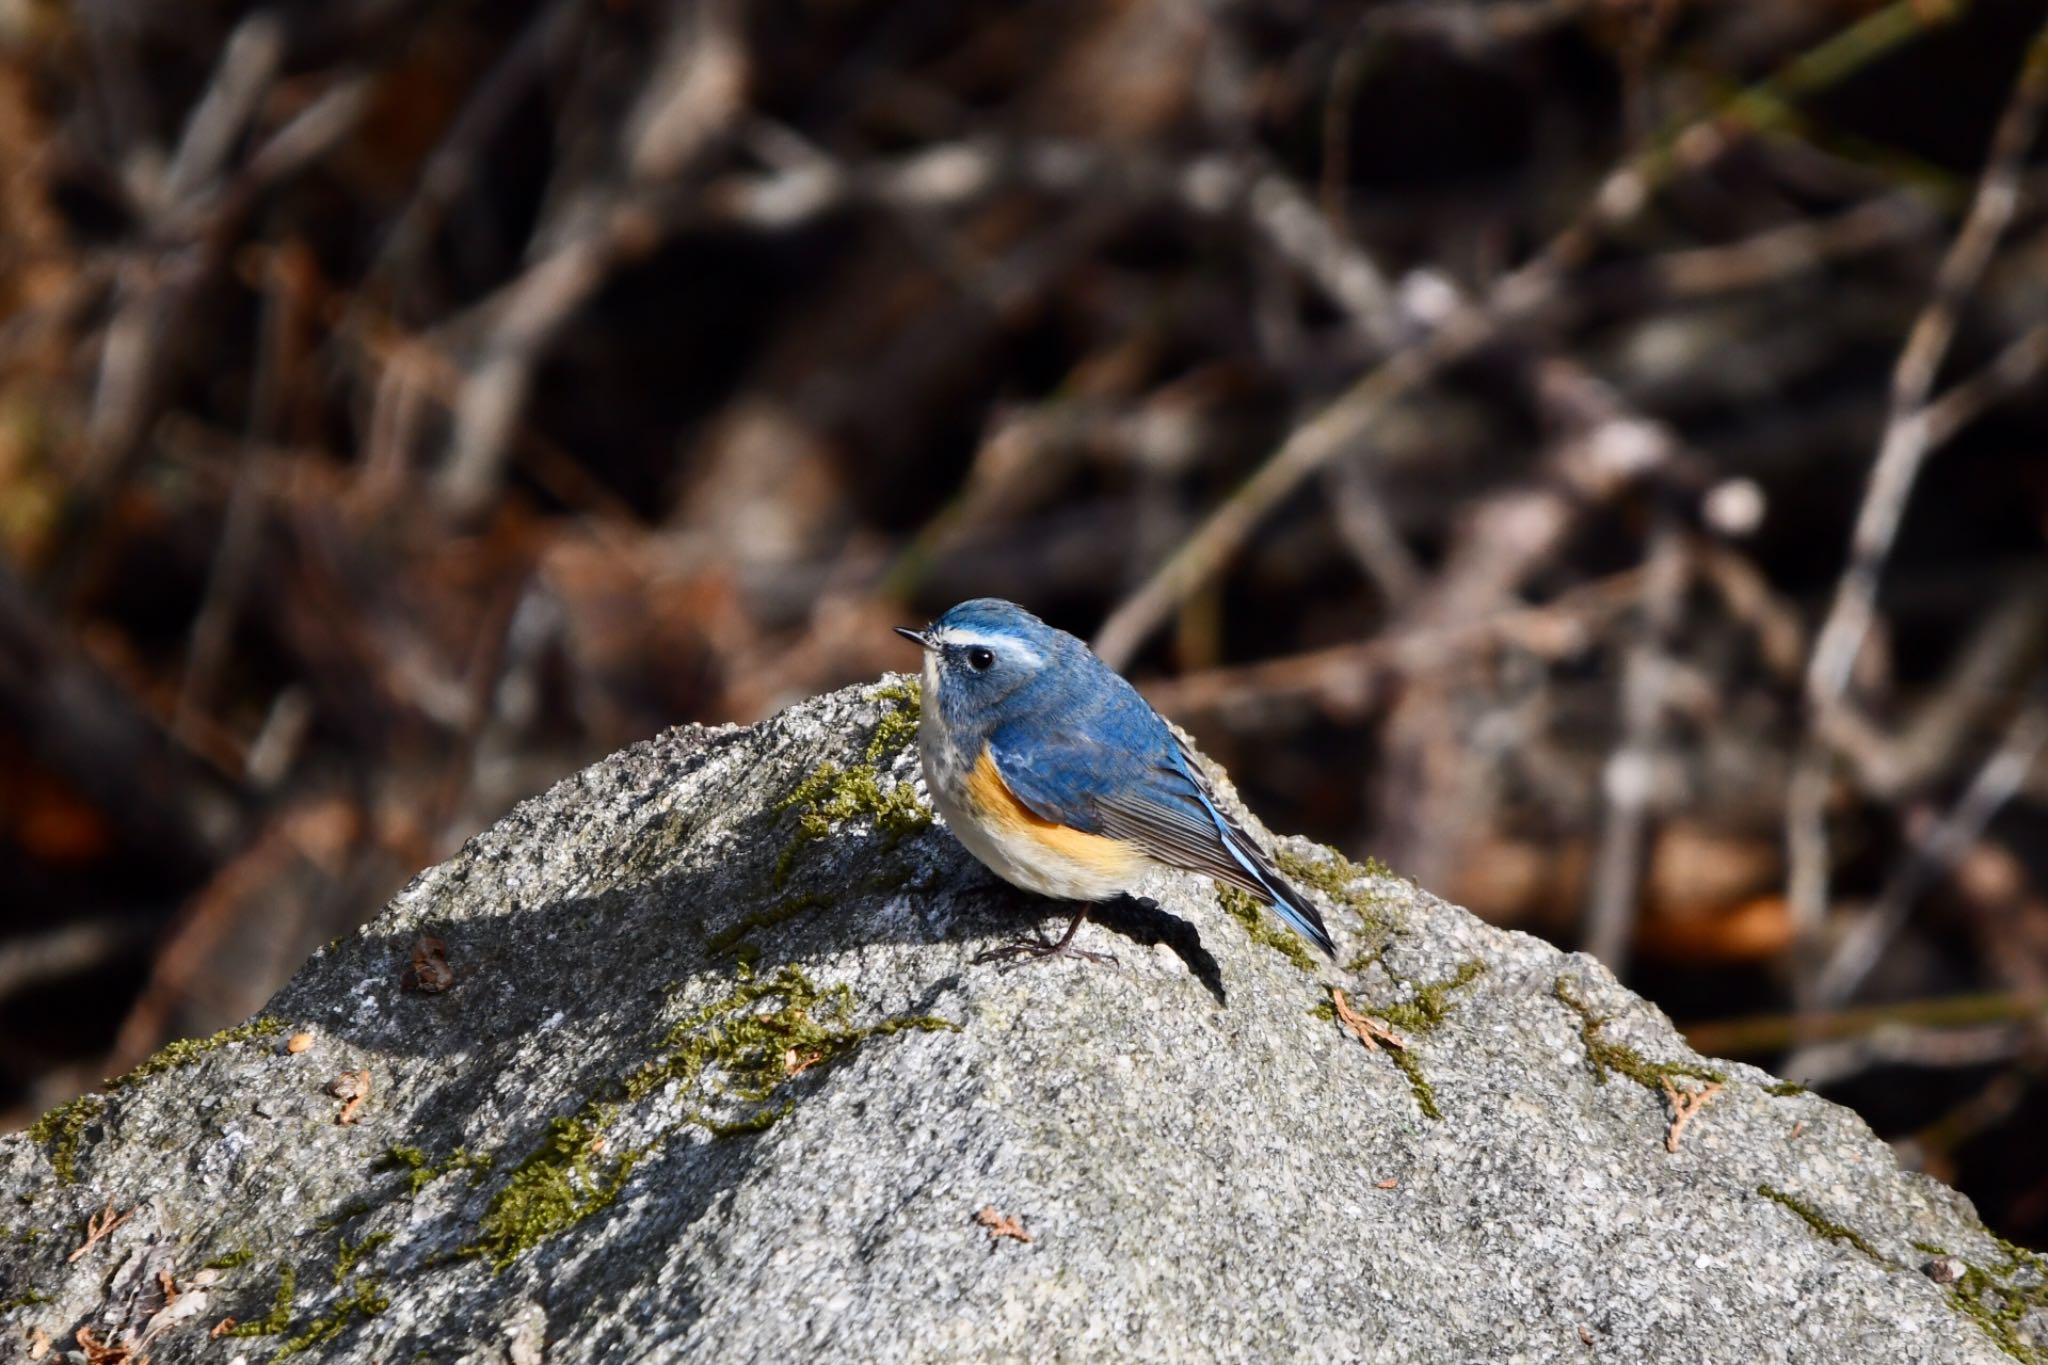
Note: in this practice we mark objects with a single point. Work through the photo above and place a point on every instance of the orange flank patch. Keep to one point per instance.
(1014, 823)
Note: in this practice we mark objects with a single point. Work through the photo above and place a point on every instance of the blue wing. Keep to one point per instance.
(1121, 772)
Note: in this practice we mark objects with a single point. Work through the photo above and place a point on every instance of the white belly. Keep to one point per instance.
(1023, 861)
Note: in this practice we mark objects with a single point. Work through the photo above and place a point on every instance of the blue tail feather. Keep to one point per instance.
(1293, 907)
(1288, 903)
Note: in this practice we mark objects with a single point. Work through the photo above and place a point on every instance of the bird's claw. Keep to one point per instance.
(1038, 950)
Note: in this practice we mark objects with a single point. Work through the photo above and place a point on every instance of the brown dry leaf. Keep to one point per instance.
(98, 1352)
(98, 1226)
(353, 1089)
(430, 973)
(796, 1065)
(221, 1329)
(1001, 1225)
(1387, 1184)
(298, 1043)
(1364, 1028)
(38, 1344)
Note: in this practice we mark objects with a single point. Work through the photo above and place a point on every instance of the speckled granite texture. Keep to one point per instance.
(716, 1078)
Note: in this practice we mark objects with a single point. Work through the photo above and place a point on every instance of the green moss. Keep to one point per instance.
(365, 1300)
(27, 1299)
(1245, 909)
(1608, 1056)
(1999, 1299)
(184, 1052)
(421, 1171)
(401, 1158)
(478, 1164)
(1786, 1089)
(562, 1182)
(349, 1253)
(1430, 1001)
(2017, 1256)
(898, 727)
(1820, 1222)
(1418, 1084)
(63, 1128)
(760, 1121)
(741, 1047)
(1343, 881)
(273, 1323)
(1333, 876)
(240, 1256)
(1427, 1006)
(765, 919)
(831, 796)
(354, 1208)
(1364, 962)
(735, 1053)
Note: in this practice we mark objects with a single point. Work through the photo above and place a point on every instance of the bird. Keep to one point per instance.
(1054, 773)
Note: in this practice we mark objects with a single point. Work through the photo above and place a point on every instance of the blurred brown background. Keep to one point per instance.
(1586, 453)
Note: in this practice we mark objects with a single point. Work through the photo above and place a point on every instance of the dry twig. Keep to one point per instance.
(1685, 1104)
(1364, 1027)
(1930, 856)
(1463, 329)
(98, 1226)
(1901, 453)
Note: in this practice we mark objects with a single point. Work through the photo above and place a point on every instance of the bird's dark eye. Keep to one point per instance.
(981, 660)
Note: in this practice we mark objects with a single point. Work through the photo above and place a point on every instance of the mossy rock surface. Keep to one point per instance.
(695, 1095)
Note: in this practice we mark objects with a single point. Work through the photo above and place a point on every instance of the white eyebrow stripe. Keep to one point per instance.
(1006, 644)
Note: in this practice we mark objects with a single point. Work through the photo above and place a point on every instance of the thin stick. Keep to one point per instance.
(1754, 1034)
(1462, 331)
(1345, 679)
(1627, 779)
(1905, 445)
(1994, 785)
(1685, 1106)
(1830, 1063)
(695, 93)
(1904, 448)
(2010, 371)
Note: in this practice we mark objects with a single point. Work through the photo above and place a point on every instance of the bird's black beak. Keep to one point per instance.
(916, 637)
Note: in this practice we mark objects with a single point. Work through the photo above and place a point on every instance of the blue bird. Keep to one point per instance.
(1054, 772)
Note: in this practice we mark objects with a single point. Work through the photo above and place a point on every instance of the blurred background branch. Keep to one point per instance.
(1505, 432)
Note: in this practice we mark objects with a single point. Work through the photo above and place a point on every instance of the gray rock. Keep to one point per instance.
(715, 1028)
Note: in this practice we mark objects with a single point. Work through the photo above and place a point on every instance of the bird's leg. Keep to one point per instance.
(1038, 950)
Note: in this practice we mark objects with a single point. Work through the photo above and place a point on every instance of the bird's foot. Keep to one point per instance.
(1038, 950)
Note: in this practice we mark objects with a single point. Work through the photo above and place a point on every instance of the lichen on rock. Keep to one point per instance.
(671, 1106)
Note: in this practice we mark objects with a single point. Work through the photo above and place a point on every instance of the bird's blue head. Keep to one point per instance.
(986, 656)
